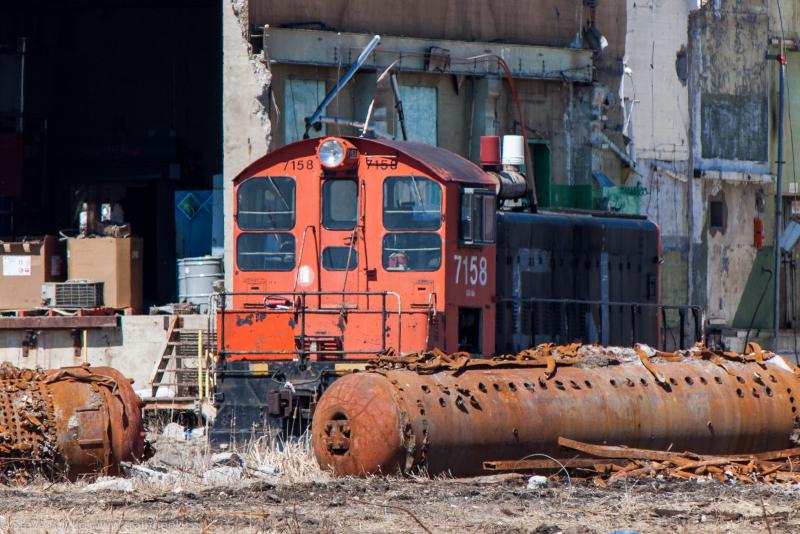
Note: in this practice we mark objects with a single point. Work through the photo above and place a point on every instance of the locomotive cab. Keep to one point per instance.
(345, 248)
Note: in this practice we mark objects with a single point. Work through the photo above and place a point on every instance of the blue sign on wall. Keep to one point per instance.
(194, 213)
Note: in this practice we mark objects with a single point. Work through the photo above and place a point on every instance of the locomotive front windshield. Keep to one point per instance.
(339, 204)
(265, 252)
(264, 206)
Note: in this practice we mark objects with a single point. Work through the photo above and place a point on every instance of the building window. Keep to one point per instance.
(265, 252)
(266, 203)
(339, 204)
(300, 100)
(335, 258)
(420, 107)
(478, 213)
(716, 214)
(411, 203)
(412, 251)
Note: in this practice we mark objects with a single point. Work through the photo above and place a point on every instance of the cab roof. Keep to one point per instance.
(438, 162)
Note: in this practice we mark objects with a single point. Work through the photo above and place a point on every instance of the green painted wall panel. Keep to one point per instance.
(759, 287)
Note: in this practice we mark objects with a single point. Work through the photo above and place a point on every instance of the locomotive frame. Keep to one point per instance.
(347, 247)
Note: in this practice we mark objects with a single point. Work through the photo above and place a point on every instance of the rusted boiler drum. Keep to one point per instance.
(70, 421)
(450, 413)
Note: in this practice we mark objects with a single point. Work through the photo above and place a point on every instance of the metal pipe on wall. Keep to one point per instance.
(781, 59)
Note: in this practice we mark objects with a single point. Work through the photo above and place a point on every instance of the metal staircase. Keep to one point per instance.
(181, 378)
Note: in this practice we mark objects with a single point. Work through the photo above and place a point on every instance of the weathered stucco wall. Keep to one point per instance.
(730, 125)
(546, 22)
(655, 97)
(559, 113)
(245, 122)
(729, 86)
(657, 84)
(731, 253)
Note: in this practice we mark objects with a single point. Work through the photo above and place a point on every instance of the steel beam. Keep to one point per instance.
(55, 323)
(333, 49)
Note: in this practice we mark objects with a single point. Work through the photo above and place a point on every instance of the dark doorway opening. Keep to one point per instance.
(469, 330)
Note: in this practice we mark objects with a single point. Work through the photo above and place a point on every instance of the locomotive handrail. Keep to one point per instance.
(610, 302)
(303, 309)
(603, 306)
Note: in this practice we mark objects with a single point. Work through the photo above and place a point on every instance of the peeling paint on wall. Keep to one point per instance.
(728, 86)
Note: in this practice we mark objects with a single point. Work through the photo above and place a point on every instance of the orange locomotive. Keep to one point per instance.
(348, 247)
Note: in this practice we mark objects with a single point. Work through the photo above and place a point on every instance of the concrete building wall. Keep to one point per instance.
(654, 94)
(730, 135)
(545, 22)
(245, 102)
(134, 348)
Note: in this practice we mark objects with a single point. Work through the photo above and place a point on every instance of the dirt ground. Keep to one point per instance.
(300, 498)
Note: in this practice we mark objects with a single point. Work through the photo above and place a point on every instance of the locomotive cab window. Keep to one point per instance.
(411, 203)
(339, 258)
(265, 252)
(266, 203)
(478, 212)
(412, 251)
(339, 204)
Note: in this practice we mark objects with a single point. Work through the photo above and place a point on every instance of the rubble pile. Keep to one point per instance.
(604, 464)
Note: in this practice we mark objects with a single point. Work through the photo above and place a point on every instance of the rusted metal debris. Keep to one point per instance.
(449, 413)
(69, 422)
(604, 464)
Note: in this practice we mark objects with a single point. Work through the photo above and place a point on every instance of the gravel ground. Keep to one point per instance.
(181, 496)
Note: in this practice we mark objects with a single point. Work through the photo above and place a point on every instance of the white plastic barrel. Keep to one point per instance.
(513, 150)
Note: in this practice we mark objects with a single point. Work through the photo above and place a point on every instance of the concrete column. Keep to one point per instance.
(245, 110)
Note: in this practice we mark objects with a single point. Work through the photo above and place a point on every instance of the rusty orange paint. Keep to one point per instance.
(426, 300)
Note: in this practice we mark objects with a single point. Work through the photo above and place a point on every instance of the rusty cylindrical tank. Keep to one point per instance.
(72, 421)
(450, 413)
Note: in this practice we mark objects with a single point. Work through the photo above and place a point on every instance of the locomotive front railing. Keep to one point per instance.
(296, 304)
(569, 332)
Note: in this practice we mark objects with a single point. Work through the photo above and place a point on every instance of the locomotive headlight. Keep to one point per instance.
(331, 153)
(337, 155)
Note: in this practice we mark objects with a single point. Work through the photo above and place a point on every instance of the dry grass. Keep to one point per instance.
(304, 498)
(293, 459)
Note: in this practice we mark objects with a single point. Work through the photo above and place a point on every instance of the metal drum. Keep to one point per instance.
(196, 277)
(71, 421)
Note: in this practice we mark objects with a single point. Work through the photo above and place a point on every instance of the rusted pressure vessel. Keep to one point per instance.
(453, 415)
(70, 421)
